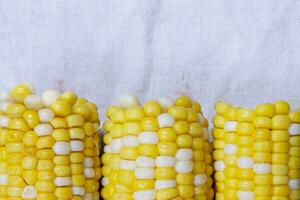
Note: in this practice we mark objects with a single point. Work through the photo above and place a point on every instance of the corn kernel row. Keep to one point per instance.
(267, 163)
(156, 151)
(45, 141)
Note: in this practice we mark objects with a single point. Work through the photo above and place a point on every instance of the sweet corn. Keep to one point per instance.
(262, 161)
(49, 146)
(156, 151)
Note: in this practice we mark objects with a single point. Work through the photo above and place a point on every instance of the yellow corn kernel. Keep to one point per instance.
(45, 175)
(45, 142)
(282, 107)
(295, 117)
(63, 192)
(77, 157)
(184, 141)
(262, 134)
(116, 131)
(15, 110)
(185, 179)
(263, 122)
(186, 191)
(126, 177)
(165, 173)
(31, 118)
(88, 128)
(45, 165)
(59, 123)
(18, 124)
(61, 108)
(280, 122)
(220, 107)
(148, 150)
(167, 148)
(245, 128)
(134, 114)
(45, 186)
(20, 92)
(131, 128)
(61, 160)
(245, 115)
(230, 113)
(69, 97)
(14, 158)
(267, 110)
(280, 135)
(76, 133)
(48, 196)
(62, 170)
(30, 176)
(78, 179)
(149, 124)
(77, 168)
(29, 162)
(61, 135)
(166, 193)
(45, 154)
(167, 135)
(195, 129)
(129, 153)
(30, 138)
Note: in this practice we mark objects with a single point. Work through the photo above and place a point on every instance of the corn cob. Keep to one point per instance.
(294, 156)
(263, 151)
(218, 145)
(267, 164)
(156, 151)
(39, 137)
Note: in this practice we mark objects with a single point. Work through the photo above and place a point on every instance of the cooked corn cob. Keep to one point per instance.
(45, 142)
(156, 151)
(268, 163)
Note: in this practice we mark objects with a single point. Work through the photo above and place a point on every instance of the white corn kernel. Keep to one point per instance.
(219, 165)
(88, 196)
(29, 192)
(107, 149)
(105, 181)
(245, 162)
(88, 162)
(128, 100)
(61, 148)
(184, 154)
(144, 161)
(230, 126)
(46, 115)
(165, 120)
(89, 173)
(43, 129)
(4, 121)
(148, 137)
(76, 145)
(200, 179)
(3, 179)
(130, 141)
(294, 184)
(129, 165)
(294, 129)
(164, 184)
(230, 149)
(33, 102)
(49, 97)
(63, 181)
(77, 190)
(165, 102)
(262, 168)
(144, 173)
(245, 195)
(144, 195)
(165, 161)
(116, 145)
(4, 105)
(184, 167)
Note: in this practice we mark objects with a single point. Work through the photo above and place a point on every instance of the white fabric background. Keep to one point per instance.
(242, 52)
